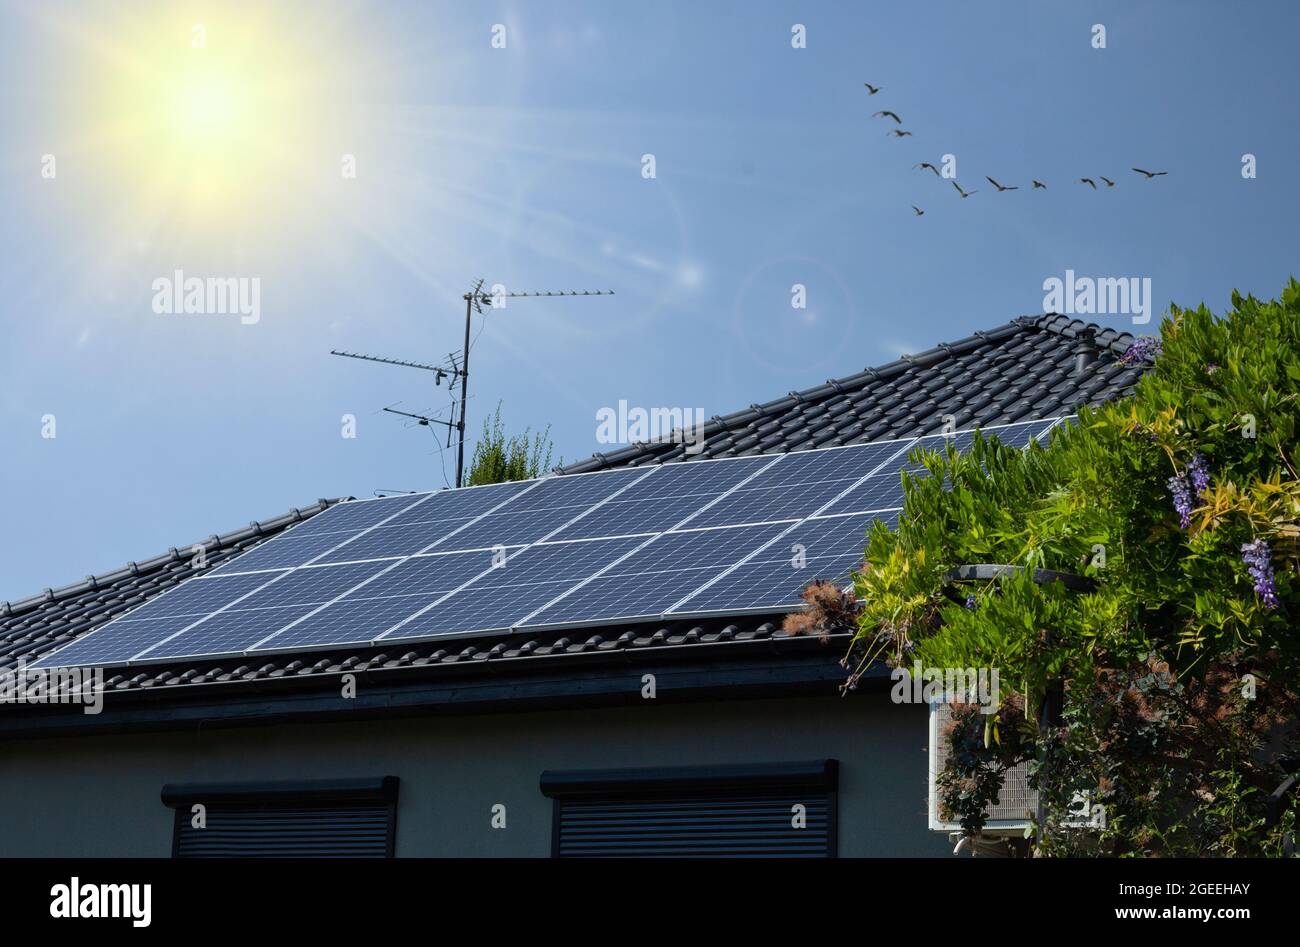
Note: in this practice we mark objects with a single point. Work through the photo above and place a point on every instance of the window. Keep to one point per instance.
(348, 818)
(745, 811)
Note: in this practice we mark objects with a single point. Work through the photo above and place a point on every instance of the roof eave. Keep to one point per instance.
(777, 666)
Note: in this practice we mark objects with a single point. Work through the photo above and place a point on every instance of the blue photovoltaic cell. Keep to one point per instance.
(541, 511)
(663, 500)
(423, 575)
(283, 552)
(350, 621)
(393, 595)
(1012, 435)
(839, 463)
(527, 581)
(656, 577)
(201, 595)
(827, 549)
(884, 490)
(580, 490)
(394, 541)
(796, 486)
(167, 613)
(117, 642)
(229, 632)
(354, 515)
(408, 520)
(249, 620)
(465, 503)
(312, 585)
(880, 491)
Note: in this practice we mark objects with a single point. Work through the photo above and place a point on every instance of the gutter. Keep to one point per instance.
(715, 671)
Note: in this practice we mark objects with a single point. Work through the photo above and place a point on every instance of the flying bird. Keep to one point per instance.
(1089, 181)
(919, 212)
(897, 133)
(1000, 187)
(1150, 174)
(1109, 182)
(928, 166)
(1038, 184)
(871, 89)
(964, 194)
(888, 114)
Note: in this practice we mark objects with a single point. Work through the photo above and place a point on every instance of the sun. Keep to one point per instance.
(211, 113)
(210, 110)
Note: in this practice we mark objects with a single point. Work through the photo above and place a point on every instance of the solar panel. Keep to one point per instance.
(198, 597)
(553, 504)
(699, 537)
(291, 550)
(800, 485)
(245, 622)
(395, 541)
(223, 633)
(660, 502)
(1010, 435)
(653, 578)
(403, 588)
(163, 616)
(881, 491)
(357, 515)
(383, 527)
(116, 642)
(825, 548)
(503, 596)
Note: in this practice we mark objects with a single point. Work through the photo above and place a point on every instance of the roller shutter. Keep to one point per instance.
(332, 819)
(784, 810)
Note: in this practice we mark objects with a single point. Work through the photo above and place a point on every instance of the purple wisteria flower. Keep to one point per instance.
(1182, 494)
(970, 602)
(1145, 349)
(1258, 558)
(1199, 471)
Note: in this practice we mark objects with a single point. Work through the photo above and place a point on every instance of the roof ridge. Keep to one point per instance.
(1052, 322)
(134, 568)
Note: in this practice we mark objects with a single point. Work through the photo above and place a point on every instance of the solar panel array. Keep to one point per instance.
(715, 537)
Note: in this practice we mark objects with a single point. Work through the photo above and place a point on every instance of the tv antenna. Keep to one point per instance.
(447, 369)
(452, 369)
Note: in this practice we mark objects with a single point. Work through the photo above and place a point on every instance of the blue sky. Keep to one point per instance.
(523, 166)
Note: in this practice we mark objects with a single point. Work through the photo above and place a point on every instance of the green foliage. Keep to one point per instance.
(1096, 501)
(498, 458)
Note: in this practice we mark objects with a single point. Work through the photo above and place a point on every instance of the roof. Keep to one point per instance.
(1021, 371)
(37, 625)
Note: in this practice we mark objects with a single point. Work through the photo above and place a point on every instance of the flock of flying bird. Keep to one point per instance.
(927, 166)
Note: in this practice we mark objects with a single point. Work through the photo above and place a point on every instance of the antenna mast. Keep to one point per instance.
(474, 300)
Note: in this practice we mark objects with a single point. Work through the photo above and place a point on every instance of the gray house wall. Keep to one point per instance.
(98, 795)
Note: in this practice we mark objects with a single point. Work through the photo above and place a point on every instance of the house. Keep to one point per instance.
(695, 737)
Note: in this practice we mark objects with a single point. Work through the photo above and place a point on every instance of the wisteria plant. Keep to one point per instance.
(1181, 664)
